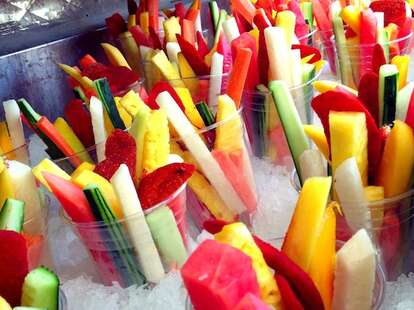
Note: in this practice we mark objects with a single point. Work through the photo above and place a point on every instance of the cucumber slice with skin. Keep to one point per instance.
(345, 68)
(306, 8)
(108, 101)
(219, 26)
(114, 237)
(214, 13)
(289, 117)
(12, 215)
(79, 94)
(41, 289)
(403, 101)
(205, 113)
(387, 93)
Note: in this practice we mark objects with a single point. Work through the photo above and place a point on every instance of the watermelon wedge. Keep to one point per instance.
(14, 265)
(233, 166)
(251, 302)
(217, 276)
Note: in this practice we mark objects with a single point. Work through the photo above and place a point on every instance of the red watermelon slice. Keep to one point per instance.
(251, 302)
(14, 265)
(218, 276)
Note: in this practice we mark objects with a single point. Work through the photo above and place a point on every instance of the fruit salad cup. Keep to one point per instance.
(139, 247)
(263, 124)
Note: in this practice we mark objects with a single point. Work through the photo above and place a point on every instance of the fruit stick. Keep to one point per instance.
(67, 133)
(138, 230)
(99, 132)
(131, 50)
(402, 63)
(114, 237)
(378, 58)
(322, 267)
(188, 30)
(317, 135)
(238, 236)
(114, 55)
(348, 138)
(298, 77)
(12, 215)
(190, 109)
(245, 8)
(227, 275)
(250, 301)
(352, 17)
(107, 99)
(6, 184)
(287, 20)
(25, 189)
(395, 170)
(152, 6)
(170, 73)
(46, 165)
(312, 164)
(171, 28)
(368, 37)
(289, 299)
(215, 79)
(14, 123)
(193, 57)
(167, 237)
(239, 74)
(41, 289)
(278, 52)
(231, 31)
(79, 119)
(187, 73)
(387, 93)
(403, 100)
(196, 146)
(14, 265)
(290, 120)
(355, 273)
(306, 222)
(84, 81)
(323, 86)
(115, 24)
(262, 23)
(350, 192)
(368, 94)
(173, 48)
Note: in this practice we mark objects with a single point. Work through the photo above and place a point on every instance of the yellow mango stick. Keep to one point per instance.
(114, 55)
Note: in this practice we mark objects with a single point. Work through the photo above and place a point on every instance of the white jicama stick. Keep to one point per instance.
(216, 72)
(295, 39)
(312, 164)
(173, 48)
(138, 230)
(380, 20)
(231, 30)
(403, 100)
(174, 158)
(350, 191)
(355, 274)
(14, 124)
(408, 12)
(98, 125)
(24, 184)
(201, 153)
(198, 26)
(296, 67)
(278, 53)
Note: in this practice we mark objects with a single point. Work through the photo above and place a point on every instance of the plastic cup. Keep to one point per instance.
(264, 129)
(353, 60)
(20, 154)
(105, 250)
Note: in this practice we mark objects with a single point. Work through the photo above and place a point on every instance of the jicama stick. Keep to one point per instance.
(350, 191)
(239, 74)
(98, 124)
(231, 31)
(216, 72)
(205, 160)
(138, 230)
(296, 69)
(287, 21)
(403, 100)
(173, 48)
(278, 52)
(312, 164)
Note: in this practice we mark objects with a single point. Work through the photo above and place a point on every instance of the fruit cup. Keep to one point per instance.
(389, 222)
(353, 60)
(263, 125)
(160, 235)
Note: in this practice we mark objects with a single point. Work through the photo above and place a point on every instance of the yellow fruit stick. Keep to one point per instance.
(70, 137)
(85, 82)
(83, 166)
(375, 193)
(46, 165)
(161, 61)
(402, 62)
(132, 102)
(144, 22)
(303, 232)
(5, 140)
(287, 20)
(324, 86)
(352, 17)
(114, 55)
(187, 73)
(317, 135)
(6, 184)
(190, 109)
(172, 28)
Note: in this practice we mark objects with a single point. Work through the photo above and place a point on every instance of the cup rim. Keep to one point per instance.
(6, 155)
(139, 82)
(102, 224)
(309, 34)
(359, 46)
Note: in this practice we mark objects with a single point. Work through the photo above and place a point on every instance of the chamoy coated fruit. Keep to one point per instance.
(394, 11)
(119, 149)
(163, 182)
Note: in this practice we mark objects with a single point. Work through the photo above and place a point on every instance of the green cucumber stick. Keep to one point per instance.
(12, 215)
(306, 8)
(289, 117)
(214, 13)
(219, 28)
(387, 93)
(205, 113)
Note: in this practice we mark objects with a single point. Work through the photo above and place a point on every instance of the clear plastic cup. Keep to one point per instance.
(264, 128)
(20, 154)
(355, 57)
(114, 255)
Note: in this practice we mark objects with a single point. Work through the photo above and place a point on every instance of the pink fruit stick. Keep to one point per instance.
(368, 38)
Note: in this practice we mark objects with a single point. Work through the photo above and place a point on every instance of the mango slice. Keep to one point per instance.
(46, 165)
(317, 135)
